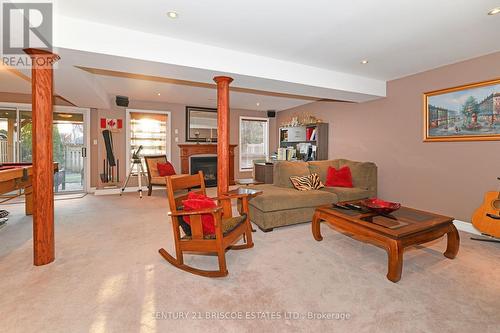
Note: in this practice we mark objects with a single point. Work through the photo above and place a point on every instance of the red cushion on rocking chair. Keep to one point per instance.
(196, 201)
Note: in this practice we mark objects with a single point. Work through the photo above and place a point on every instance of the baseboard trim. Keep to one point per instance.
(466, 226)
(107, 191)
(112, 191)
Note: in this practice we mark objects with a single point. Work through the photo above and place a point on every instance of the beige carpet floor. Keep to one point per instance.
(109, 277)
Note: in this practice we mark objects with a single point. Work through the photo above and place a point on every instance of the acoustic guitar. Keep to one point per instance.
(486, 218)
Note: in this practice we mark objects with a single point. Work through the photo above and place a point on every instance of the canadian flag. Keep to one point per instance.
(111, 123)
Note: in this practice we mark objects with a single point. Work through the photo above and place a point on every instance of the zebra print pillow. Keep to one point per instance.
(306, 183)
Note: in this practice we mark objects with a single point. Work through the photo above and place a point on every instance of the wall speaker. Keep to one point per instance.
(271, 113)
(122, 101)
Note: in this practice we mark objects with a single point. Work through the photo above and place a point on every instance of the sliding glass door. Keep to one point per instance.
(68, 138)
(25, 143)
(70, 150)
(8, 134)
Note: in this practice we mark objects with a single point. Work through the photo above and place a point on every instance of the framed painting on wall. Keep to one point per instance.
(465, 113)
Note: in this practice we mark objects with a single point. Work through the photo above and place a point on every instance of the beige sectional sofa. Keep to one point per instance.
(281, 204)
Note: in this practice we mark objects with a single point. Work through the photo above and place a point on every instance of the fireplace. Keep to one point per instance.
(207, 164)
(188, 151)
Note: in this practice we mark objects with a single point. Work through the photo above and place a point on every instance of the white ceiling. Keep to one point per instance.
(11, 83)
(90, 90)
(311, 48)
(398, 37)
(181, 59)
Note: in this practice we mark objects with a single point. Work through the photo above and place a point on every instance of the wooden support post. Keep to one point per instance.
(43, 170)
(222, 133)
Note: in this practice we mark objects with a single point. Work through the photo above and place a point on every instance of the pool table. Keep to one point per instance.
(18, 176)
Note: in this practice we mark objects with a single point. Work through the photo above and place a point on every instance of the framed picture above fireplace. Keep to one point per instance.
(201, 124)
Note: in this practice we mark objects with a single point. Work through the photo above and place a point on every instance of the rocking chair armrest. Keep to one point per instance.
(222, 198)
(196, 212)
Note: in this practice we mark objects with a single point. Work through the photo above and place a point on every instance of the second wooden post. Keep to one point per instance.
(222, 133)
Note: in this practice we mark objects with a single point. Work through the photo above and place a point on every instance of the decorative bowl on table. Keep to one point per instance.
(380, 206)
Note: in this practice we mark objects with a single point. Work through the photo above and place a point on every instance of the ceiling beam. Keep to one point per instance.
(152, 78)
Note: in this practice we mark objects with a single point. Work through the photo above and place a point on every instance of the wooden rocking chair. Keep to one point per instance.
(228, 229)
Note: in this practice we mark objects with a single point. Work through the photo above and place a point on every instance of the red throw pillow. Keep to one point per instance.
(196, 195)
(339, 178)
(196, 201)
(165, 169)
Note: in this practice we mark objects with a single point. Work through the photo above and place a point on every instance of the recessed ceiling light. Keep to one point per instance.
(173, 15)
(494, 11)
(364, 62)
(258, 104)
(159, 94)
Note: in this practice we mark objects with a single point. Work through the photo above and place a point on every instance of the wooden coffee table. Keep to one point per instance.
(403, 228)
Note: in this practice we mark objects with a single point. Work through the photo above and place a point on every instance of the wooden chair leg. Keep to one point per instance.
(177, 236)
(247, 236)
(180, 257)
(150, 189)
(248, 233)
(246, 210)
(222, 262)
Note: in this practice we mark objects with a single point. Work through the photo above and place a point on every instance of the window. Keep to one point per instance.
(254, 141)
(149, 129)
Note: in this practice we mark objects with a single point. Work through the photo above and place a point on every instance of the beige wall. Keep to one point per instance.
(178, 113)
(7, 97)
(444, 177)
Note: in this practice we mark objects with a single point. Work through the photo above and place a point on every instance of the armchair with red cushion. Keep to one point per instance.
(165, 169)
(158, 168)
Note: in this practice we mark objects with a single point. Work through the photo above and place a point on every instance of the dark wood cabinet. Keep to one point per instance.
(264, 172)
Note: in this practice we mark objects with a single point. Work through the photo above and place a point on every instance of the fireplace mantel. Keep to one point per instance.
(188, 150)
